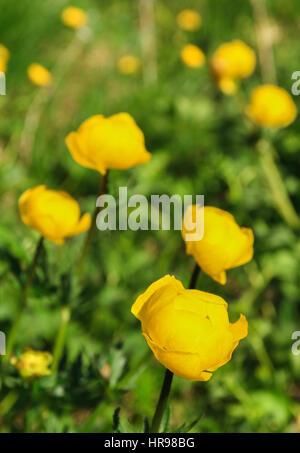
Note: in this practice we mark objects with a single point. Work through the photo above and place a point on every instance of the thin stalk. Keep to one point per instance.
(194, 276)
(277, 187)
(44, 95)
(87, 243)
(162, 402)
(61, 337)
(23, 301)
(148, 39)
(264, 42)
(166, 387)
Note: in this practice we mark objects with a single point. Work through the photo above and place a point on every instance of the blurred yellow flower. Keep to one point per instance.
(189, 20)
(3, 65)
(33, 364)
(188, 331)
(232, 61)
(103, 143)
(4, 52)
(192, 56)
(74, 17)
(224, 245)
(271, 106)
(4, 57)
(227, 85)
(39, 75)
(128, 64)
(54, 213)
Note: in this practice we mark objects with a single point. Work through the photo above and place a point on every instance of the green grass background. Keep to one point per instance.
(200, 145)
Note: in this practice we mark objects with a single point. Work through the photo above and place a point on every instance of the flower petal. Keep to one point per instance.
(83, 225)
(164, 281)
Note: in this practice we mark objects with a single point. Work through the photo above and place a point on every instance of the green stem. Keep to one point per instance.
(61, 337)
(166, 387)
(278, 190)
(23, 301)
(87, 243)
(162, 402)
(194, 276)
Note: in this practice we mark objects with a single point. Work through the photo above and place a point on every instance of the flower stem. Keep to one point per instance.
(194, 276)
(23, 301)
(148, 39)
(278, 190)
(87, 243)
(166, 387)
(61, 337)
(162, 402)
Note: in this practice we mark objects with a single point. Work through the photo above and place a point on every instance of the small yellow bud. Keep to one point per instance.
(33, 364)
(39, 75)
(74, 17)
(189, 20)
(192, 56)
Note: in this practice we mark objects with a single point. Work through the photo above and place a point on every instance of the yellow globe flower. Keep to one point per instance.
(103, 143)
(227, 86)
(4, 52)
(189, 20)
(232, 60)
(128, 64)
(192, 56)
(39, 75)
(224, 245)
(4, 57)
(271, 106)
(53, 213)
(188, 331)
(33, 364)
(74, 17)
(3, 65)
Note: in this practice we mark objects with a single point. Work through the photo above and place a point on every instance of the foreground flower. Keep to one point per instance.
(33, 364)
(103, 143)
(192, 56)
(188, 331)
(189, 20)
(74, 17)
(224, 245)
(271, 106)
(128, 64)
(54, 213)
(39, 75)
(232, 61)
(4, 57)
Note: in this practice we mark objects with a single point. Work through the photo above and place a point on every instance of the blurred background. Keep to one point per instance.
(108, 379)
